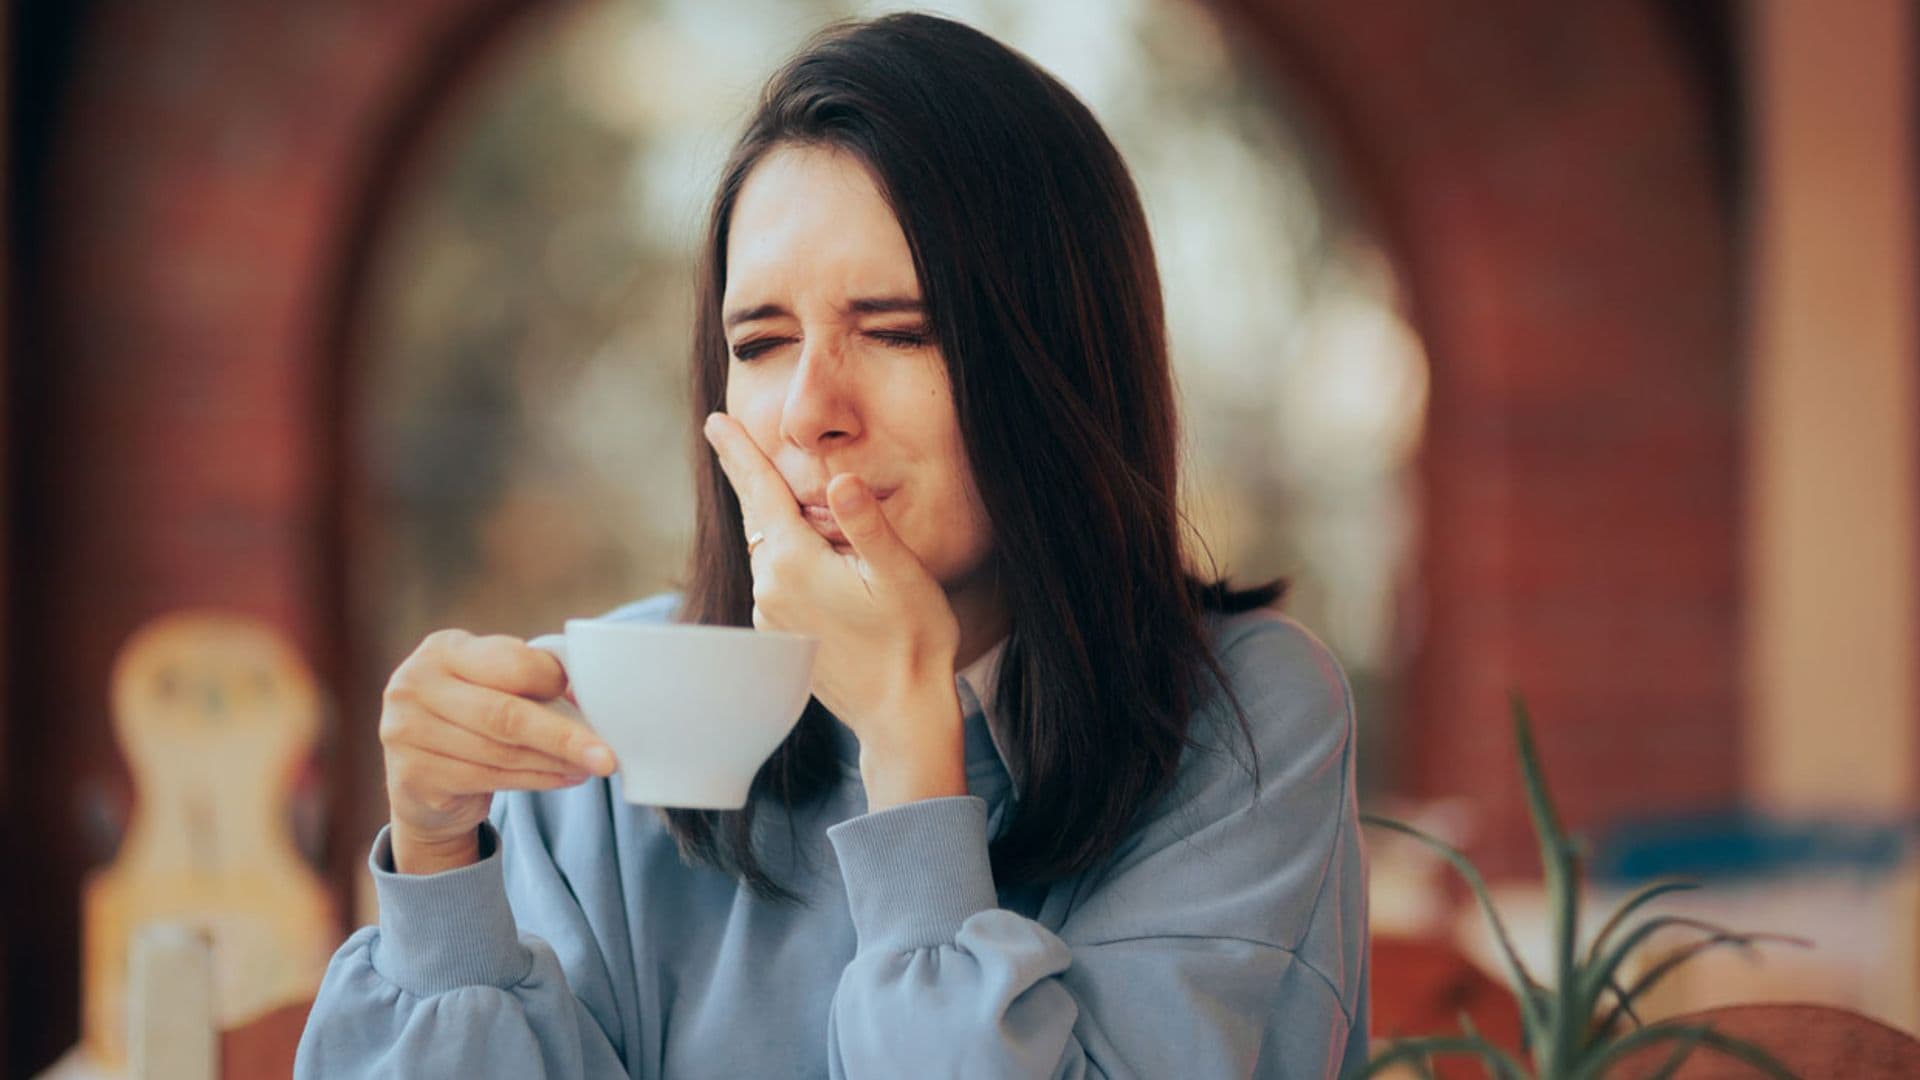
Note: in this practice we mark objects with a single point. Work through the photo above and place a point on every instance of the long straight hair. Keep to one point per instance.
(1038, 280)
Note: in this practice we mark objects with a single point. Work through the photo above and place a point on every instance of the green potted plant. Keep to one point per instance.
(1567, 1034)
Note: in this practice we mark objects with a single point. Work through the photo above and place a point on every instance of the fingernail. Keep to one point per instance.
(711, 425)
(599, 759)
(854, 494)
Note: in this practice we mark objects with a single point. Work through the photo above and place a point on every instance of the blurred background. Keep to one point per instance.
(1565, 349)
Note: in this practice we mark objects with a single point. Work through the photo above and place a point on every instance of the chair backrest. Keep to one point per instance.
(1814, 1042)
(214, 713)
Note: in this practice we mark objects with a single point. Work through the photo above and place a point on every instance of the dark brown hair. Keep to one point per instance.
(1039, 283)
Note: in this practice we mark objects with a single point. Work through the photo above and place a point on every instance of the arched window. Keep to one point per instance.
(523, 437)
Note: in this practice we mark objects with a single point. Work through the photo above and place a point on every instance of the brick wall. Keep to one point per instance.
(209, 158)
(1545, 175)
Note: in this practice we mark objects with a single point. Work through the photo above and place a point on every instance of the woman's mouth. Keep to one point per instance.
(820, 516)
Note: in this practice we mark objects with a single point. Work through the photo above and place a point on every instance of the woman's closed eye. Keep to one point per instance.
(902, 339)
(899, 339)
(747, 350)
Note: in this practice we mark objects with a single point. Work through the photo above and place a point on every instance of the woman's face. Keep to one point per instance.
(834, 368)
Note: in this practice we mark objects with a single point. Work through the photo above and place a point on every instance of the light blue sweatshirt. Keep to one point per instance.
(1227, 937)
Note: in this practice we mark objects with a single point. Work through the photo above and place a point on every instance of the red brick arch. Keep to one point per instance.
(1545, 177)
(219, 175)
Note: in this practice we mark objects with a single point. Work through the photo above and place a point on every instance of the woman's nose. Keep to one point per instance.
(821, 405)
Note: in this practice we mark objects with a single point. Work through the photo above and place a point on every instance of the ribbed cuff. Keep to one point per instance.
(915, 872)
(446, 930)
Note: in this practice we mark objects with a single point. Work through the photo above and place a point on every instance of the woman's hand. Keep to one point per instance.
(887, 634)
(462, 718)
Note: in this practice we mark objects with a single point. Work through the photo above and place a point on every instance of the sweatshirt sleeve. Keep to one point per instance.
(445, 985)
(1227, 936)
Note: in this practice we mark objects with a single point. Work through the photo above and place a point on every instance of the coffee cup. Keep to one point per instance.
(691, 712)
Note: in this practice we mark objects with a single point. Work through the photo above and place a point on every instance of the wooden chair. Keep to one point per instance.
(173, 1033)
(1814, 1042)
(214, 713)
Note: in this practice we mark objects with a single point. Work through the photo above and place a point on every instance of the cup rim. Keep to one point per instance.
(625, 626)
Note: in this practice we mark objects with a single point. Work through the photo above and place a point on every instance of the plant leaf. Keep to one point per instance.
(1403, 1051)
(1597, 975)
(1500, 1064)
(1626, 1005)
(1575, 1009)
(1683, 1046)
(1526, 989)
(1607, 969)
(1647, 893)
(1595, 1068)
(1665, 967)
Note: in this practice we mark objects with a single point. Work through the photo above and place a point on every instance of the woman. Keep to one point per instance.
(1058, 808)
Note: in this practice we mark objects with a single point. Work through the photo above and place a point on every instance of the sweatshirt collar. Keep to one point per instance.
(979, 687)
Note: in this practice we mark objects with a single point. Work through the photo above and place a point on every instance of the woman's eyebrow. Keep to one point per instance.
(877, 305)
(755, 314)
(866, 305)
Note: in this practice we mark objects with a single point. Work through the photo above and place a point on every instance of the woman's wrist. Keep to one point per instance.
(417, 856)
(889, 785)
(924, 756)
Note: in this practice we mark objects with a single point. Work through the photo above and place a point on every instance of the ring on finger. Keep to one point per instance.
(755, 540)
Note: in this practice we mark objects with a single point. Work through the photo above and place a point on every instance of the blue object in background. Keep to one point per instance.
(1739, 844)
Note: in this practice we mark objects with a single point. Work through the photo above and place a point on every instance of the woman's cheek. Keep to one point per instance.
(755, 398)
(964, 542)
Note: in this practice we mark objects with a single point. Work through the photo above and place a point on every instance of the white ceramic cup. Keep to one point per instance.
(691, 712)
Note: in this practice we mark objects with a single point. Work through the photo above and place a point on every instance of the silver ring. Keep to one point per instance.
(755, 540)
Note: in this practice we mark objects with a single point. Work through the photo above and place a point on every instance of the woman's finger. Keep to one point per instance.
(468, 778)
(858, 513)
(515, 721)
(766, 502)
(420, 728)
(498, 661)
